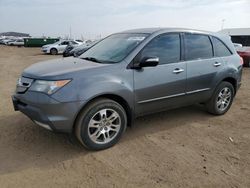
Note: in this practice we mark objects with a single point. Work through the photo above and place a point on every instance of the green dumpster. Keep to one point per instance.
(39, 42)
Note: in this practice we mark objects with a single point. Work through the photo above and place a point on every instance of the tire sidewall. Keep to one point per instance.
(87, 117)
(53, 50)
(218, 90)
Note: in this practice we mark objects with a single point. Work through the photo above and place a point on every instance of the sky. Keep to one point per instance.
(98, 18)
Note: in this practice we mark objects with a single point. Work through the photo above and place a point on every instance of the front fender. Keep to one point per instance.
(87, 87)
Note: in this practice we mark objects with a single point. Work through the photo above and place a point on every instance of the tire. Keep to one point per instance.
(53, 51)
(222, 99)
(96, 133)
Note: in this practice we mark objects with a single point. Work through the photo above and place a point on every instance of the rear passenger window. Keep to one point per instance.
(198, 47)
(220, 50)
(166, 47)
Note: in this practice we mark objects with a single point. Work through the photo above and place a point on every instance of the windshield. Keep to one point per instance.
(114, 48)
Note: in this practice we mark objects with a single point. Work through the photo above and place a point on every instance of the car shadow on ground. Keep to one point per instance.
(24, 145)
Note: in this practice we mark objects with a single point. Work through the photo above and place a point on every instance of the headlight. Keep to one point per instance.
(48, 87)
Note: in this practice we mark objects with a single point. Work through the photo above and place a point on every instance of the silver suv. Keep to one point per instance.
(126, 75)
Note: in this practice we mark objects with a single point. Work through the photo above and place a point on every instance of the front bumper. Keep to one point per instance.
(45, 50)
(46, 111)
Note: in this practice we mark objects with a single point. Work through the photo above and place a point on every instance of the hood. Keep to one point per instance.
(47, 45)
(59, 68)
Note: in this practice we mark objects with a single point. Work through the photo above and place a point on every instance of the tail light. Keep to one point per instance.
(241, 61)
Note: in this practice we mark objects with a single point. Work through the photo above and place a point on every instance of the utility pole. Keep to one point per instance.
(223, 23)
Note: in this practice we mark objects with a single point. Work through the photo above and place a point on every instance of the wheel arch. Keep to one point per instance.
(232, 81)
(120, 100)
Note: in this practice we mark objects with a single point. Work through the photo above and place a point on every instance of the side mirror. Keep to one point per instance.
(148, 62)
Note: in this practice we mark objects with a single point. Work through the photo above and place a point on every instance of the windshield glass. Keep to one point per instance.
(114, 48)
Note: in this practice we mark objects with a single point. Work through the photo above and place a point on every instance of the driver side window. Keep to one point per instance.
(166, 47)
(65, 43)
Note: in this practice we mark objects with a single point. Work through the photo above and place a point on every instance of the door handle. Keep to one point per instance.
(217, 64)
(177, 71)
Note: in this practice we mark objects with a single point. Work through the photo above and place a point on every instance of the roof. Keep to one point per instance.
(225, 38)
(159, 29)
(236, 31)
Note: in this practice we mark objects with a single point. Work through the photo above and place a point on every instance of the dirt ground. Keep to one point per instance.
(186, 147)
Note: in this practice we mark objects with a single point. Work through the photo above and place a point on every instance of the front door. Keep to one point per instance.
(161, 87)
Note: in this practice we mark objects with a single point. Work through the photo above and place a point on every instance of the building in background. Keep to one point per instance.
(238, 35)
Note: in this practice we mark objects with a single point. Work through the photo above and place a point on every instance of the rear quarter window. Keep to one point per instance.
(220, 49)
(198, 47)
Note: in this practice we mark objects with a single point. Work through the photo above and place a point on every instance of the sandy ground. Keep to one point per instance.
(186, 147)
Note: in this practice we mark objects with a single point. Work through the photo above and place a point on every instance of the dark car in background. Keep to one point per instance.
(127, 75)
(77, 50)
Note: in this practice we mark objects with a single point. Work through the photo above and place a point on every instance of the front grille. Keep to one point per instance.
(23, 84)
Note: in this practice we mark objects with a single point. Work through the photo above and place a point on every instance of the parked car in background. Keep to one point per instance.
(77, 50)
(59, 47)
(127, 75)
(1, 41)
(67, 50)
(17, 42)
(5, 41)
(244, 52)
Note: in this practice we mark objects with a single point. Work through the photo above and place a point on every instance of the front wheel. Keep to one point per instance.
(53, 51)
(222, 99)
(101, 124)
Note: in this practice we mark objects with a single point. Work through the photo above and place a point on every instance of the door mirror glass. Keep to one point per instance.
(149, 62)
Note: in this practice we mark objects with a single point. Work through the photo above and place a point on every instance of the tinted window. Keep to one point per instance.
(73, 42)
(65, 43)
(220, 49)
(198, 47)
(165, 47)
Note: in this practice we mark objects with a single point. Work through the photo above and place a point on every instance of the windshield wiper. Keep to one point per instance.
(92, 59)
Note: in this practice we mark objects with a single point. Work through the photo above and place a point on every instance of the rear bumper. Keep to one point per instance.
(47, 112)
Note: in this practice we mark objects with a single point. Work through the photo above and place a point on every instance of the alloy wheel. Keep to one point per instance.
(224, 98)
(104, 126)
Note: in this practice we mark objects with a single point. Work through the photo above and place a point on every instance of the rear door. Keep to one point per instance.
(163, 86)
(202, 66)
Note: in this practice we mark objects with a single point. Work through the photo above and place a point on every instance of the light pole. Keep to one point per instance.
(222, 24)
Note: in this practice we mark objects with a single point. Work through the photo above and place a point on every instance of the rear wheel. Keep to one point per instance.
(53, 51)
(101, 124)
(222, 99)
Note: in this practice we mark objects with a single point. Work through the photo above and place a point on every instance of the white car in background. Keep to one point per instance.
(17, 42)
(5, 41)
(59, 47)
